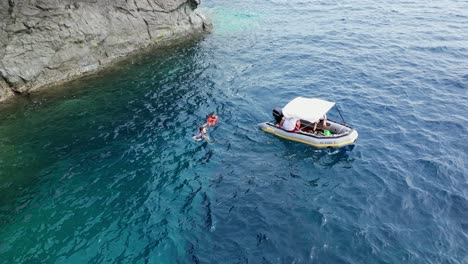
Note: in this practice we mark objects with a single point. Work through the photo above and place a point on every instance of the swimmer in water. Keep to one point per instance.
(201, 134)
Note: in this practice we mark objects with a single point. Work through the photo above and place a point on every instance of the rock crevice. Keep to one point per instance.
(49, 41)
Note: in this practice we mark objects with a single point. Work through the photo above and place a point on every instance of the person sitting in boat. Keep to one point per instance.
(323, 121)
(289, 124)
(201, 134)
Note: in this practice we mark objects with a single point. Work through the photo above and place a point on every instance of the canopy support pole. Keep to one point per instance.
(339, 112)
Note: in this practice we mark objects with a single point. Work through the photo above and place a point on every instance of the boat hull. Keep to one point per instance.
(318, 141)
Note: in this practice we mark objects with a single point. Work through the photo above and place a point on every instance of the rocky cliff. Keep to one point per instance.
(49, 41)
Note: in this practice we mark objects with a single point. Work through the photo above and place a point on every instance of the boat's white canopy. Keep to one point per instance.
(310, 109)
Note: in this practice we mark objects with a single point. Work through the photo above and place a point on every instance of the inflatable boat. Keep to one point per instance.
(310, 112)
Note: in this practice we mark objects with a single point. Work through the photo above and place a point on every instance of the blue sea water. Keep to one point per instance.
(104, 170)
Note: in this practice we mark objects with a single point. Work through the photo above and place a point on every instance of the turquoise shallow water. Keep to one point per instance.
(105, 171)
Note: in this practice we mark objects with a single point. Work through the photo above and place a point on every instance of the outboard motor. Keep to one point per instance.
(278, 114)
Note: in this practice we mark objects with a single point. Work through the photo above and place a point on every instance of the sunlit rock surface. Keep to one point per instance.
(48, 41)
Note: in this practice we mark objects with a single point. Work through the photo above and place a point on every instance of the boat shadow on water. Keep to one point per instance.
(324, 158)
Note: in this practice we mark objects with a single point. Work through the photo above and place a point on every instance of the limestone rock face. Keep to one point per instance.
(48, 41)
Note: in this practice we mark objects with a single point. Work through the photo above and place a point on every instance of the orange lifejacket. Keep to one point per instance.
(211, 121)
